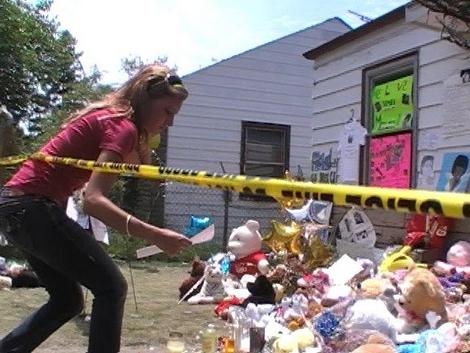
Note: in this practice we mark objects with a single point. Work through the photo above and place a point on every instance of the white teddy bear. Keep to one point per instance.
(245, 245)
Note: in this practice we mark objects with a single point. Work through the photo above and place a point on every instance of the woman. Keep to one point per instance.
(116, 129)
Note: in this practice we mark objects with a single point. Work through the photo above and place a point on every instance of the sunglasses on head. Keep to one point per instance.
(155, 83)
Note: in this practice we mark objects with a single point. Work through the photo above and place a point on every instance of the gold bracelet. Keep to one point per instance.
(127, 225)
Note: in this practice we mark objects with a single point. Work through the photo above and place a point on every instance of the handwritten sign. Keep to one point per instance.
(324, 167)
(392, 106)
(390, 161)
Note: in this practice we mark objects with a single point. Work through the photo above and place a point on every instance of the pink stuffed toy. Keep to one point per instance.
(458, 260)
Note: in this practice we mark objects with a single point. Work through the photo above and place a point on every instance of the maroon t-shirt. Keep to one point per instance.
(85, 138)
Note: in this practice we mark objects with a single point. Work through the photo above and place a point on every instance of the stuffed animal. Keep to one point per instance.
(301, 340)
(212, 290)
(375, 345)
(372, 314)
(197, 271)
(5, 282)
(245, 245)
(380, 287)
(459, 254)
(458, 261)
(293, 310)
(261, 292)
(422, 293)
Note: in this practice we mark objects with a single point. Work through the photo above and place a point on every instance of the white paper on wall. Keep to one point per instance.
(351, 138)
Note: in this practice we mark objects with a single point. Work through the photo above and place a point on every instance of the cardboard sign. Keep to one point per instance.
(392, 106)
(390, 161)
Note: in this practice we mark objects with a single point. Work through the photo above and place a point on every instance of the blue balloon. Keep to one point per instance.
(225, 264)
(196, 225)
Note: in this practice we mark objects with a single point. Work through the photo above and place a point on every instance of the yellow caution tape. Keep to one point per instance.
(455, 205)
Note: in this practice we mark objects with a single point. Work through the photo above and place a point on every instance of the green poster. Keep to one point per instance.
(392, 105)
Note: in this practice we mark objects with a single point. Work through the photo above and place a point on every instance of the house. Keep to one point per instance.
(407, 86)
(249, 114)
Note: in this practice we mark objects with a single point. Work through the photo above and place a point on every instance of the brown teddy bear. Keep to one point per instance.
(375, 345)
(196, 273)
(421, 294)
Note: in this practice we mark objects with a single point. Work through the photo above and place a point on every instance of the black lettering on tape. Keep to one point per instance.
(287, 193)
(391, 203)
(326, 197)
(298, 194)
(466, 210)
(435, 205)
(353, 199)
(247, 190)
(261, 191)
(408, 204)
(374, 201)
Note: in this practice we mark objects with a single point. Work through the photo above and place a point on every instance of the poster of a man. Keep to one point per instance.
(455, 173)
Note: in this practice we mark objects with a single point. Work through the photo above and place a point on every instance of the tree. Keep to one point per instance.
(39, 64)
(456, 12)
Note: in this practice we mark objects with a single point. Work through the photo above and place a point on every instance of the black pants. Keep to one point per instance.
(64, 256)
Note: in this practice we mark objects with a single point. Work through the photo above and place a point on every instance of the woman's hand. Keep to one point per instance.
(169, 241)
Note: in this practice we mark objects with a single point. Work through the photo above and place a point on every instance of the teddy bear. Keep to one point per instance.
(261, 292)
(379, 287)
(245, 245)
(212, 290)
(422, 293)
(197, 271)
(375, 345)
(372, 314)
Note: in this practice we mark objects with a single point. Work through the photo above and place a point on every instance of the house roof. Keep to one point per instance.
(378, 23)
(318, 25)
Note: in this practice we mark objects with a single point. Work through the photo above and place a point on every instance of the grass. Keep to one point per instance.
(144, 330)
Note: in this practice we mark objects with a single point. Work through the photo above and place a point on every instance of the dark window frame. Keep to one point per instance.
(396, 67)
(245, 126)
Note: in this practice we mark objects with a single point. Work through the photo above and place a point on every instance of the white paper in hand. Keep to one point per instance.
(201, 237)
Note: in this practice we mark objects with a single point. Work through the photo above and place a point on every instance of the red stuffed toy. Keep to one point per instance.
(430, 230)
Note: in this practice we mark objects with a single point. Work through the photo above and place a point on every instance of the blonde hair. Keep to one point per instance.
(131, 99)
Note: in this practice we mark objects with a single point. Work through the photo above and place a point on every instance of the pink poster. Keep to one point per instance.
(390, 161)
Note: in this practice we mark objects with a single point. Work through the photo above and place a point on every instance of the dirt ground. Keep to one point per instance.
(144, 330)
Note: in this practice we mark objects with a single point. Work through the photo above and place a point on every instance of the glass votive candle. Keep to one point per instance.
(175, 343)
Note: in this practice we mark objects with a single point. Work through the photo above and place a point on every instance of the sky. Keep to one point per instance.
(193, 33)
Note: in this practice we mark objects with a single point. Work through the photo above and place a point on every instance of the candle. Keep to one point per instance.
(175, 343)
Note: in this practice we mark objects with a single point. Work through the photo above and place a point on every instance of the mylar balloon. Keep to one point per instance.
(196, 225)
(290, 203)
(301, 214)
(283, 236)
(320, 211)
(317, 254)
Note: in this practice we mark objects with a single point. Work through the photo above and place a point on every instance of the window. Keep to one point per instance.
(264, 149)
(390, 116)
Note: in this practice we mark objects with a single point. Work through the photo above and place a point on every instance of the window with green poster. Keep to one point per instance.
(392, 106)
(390, 116)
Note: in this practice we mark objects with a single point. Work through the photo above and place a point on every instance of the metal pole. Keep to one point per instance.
(132, 284)
(226, 197)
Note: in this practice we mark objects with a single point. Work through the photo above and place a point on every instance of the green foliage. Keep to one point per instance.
(38, 61)
(454, 11)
